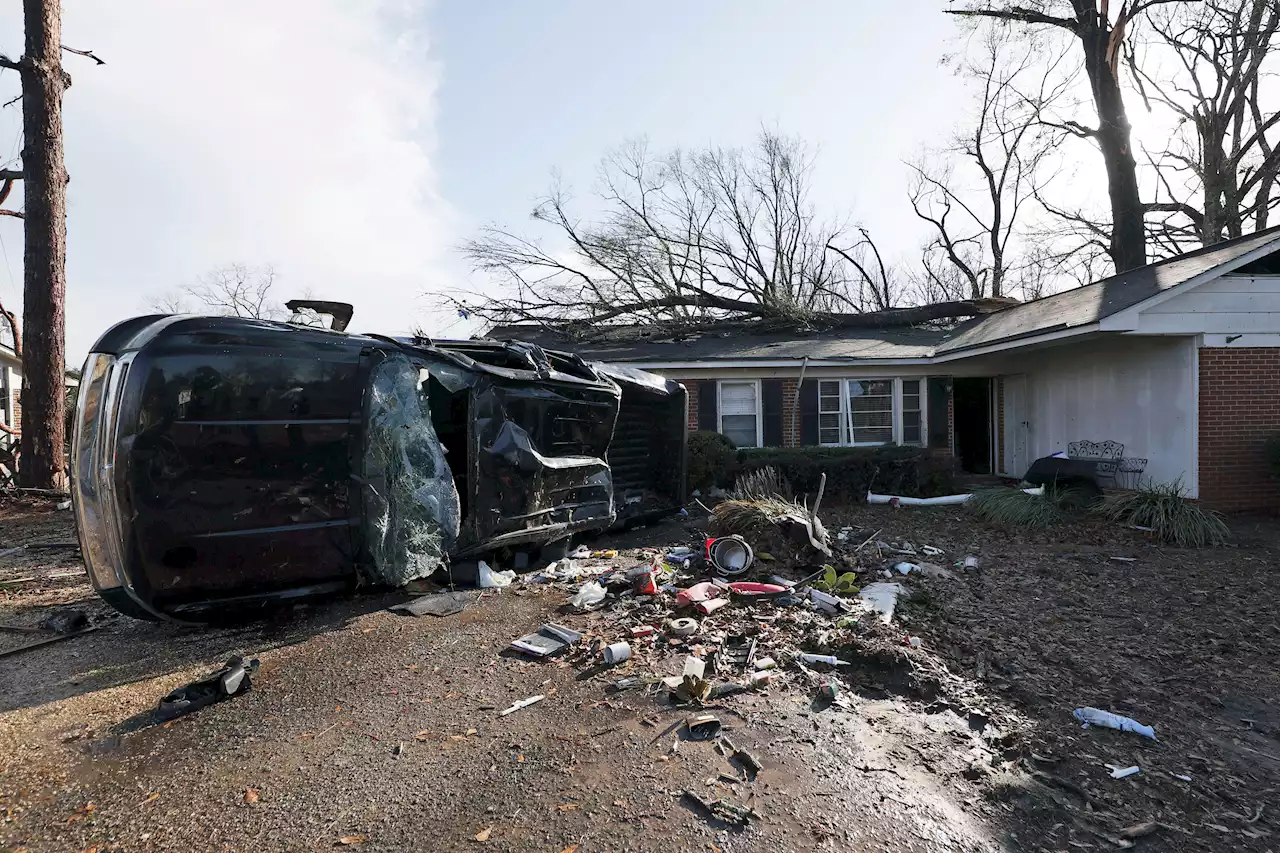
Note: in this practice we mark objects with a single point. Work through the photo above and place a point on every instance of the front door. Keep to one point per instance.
(1017, 425)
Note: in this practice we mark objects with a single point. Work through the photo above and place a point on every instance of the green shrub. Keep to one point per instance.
(1171, 517)
(713, 460)
(854, 471)
(1015, 508)
(1272, 451)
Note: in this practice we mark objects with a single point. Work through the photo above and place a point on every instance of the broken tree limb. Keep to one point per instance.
(38, 643)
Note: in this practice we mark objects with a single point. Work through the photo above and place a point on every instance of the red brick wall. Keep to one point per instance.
(1239, 410)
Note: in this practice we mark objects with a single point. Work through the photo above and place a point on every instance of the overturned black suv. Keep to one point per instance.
(221, 464)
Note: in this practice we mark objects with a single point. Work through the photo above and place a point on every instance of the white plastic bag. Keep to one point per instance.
(489, 579)
(590, 595)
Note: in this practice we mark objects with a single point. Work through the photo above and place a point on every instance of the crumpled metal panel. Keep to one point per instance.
(411, 503)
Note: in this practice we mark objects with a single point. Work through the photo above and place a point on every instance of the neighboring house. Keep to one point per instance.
(1178, 360)
(10, 387)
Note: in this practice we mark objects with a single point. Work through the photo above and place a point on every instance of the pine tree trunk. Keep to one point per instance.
(44, 284)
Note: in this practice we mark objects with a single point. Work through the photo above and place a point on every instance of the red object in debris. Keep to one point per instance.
(643, 630)
(646, 584)
(754, 588)
(709, 607)
(697, 592)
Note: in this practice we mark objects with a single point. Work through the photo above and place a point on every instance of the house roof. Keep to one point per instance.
(730, 342)
(1076, 308)
(1085, 305)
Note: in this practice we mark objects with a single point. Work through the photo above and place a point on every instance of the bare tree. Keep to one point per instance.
(1101, 40)
(975, 191)
(1205, 65)
(44, 216)
(236, 290)
(690, 237)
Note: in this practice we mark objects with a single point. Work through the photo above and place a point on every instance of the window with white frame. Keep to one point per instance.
(870, 411)
(740, 412)
(912, 418)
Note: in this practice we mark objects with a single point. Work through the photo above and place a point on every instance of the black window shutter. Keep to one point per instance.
(708, 416)
(809, 412)
(771, 393)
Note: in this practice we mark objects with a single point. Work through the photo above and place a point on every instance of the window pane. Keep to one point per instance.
(828, 404)
(829, 387)
(911, 386)
(869, 420)
(911, 428)
(829, 436)
(860, 387)
(873, 436)
(740, 429)
(737, 398)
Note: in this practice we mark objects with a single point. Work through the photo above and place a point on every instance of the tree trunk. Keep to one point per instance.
(44, 280)
(1128, 236)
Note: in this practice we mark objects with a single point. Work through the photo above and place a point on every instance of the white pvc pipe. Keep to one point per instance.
(945, 500)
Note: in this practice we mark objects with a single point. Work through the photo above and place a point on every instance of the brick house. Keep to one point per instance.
(1178, 360)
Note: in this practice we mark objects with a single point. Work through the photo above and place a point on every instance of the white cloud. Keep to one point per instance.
(293, 132)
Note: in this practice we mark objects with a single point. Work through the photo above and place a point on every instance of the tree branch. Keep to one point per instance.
(12, 64)
(1020, 14)
(88, 53)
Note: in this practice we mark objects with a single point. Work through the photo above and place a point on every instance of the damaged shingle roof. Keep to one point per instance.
(1081, 306)
(731, 342)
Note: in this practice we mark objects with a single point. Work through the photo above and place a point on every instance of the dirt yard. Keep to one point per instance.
(370, 730)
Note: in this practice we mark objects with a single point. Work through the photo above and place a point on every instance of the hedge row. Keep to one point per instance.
(851, 471)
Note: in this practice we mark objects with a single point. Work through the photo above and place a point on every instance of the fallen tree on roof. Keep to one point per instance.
(692, 238)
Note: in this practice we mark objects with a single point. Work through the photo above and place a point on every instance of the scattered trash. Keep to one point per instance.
(483, 835)
(752, 589)
(644, 580)
(1182, 777)
(762, 678)
(743, 757)
(913, 642)
(906, 568)
(1138, 830)
(683, 627)
(830, 604)
(232, 680)
(65, 621)
(936, 572)
(643, 631)
(1125, 559)
(589, 596)
(709, 607)
(617, 653)
(830, 690)
(971, 562)
(764, 663)
(829, 660)
(722, 810)
(582, 552)
(548, 640)
(881, 598)
(489, 579)
(626, 684)
(738, 651)
(607, 554)
(730, 554)
(439, 604)
(523, 703)
(1096, 717)
(698, 592)
(703, 727)
(930, 551)
(60, 505)
(1122, 772)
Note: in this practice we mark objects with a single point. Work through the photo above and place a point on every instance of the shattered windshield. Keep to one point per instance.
(411, 501)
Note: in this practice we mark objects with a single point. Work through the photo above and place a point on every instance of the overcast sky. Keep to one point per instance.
(353, 144)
